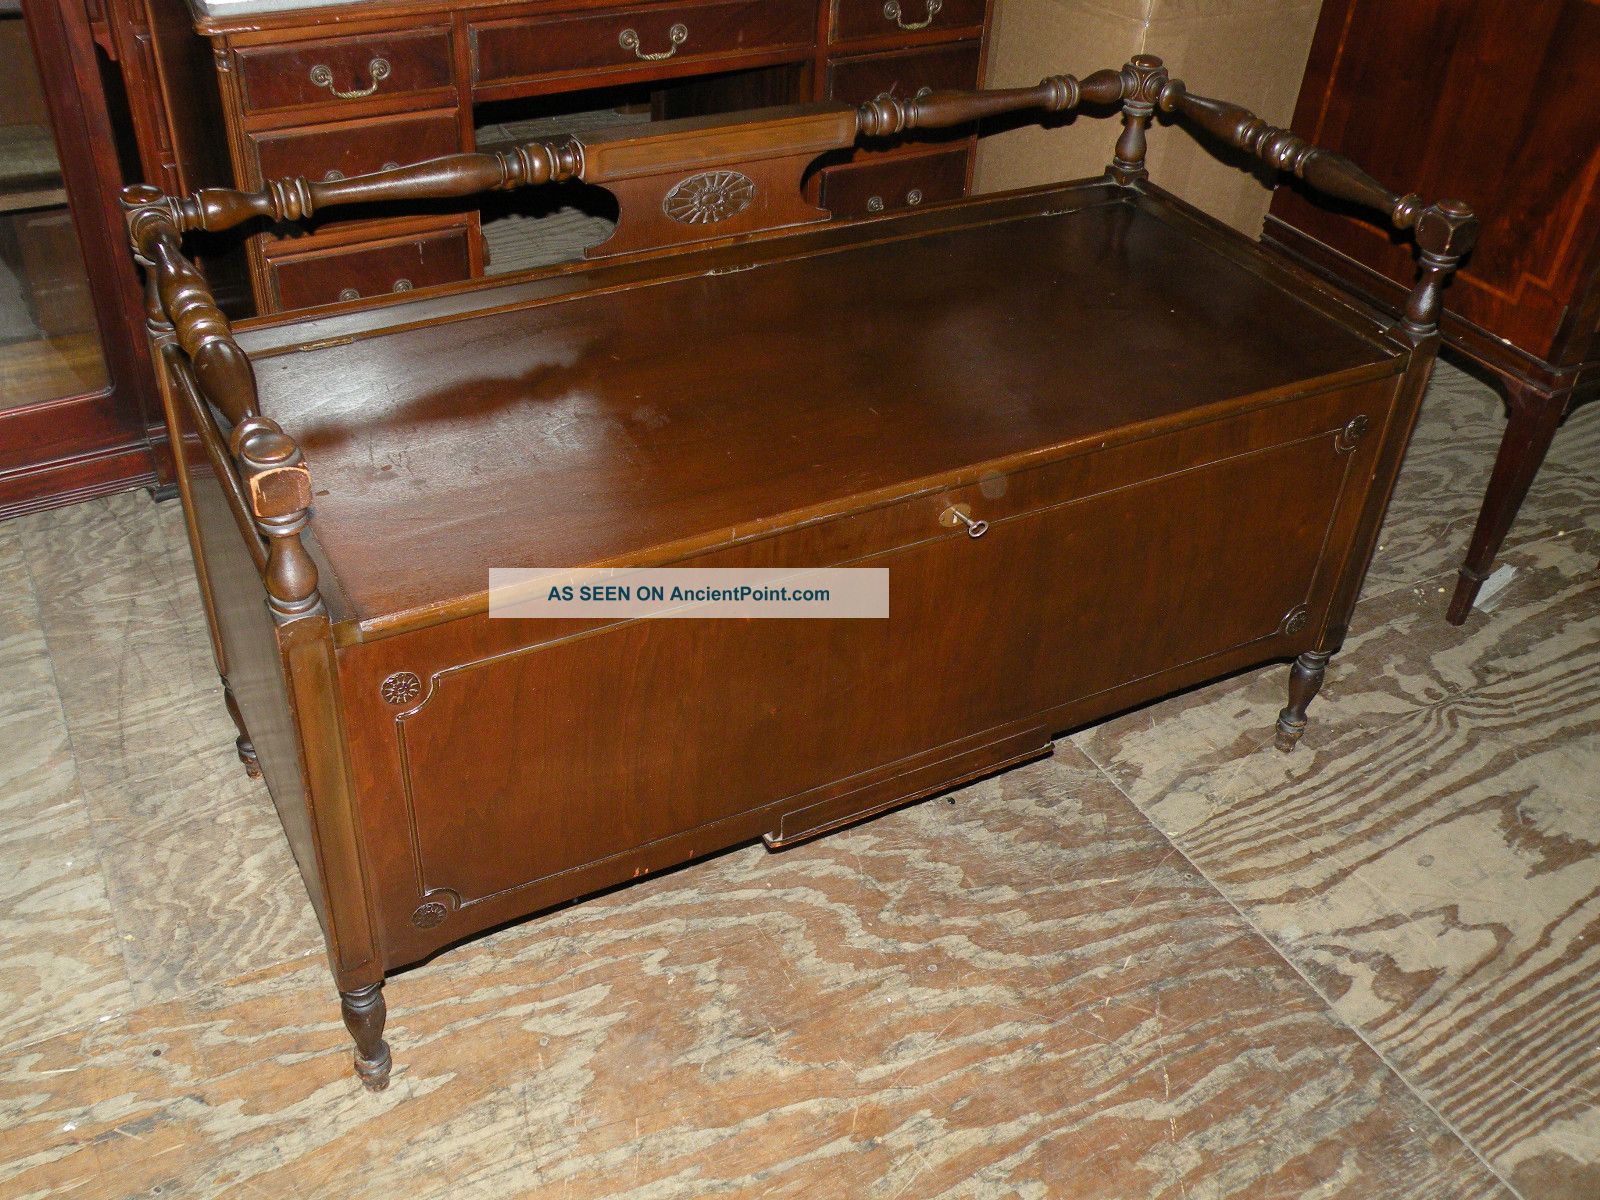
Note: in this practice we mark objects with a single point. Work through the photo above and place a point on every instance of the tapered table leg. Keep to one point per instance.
(364, 1013)
(1529, 431)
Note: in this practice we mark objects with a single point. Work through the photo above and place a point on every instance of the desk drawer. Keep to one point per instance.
(905, 73)
(858, 19)
(367, 69)
(375, 268)
(648, 40)
(890, 183)
(355, 147)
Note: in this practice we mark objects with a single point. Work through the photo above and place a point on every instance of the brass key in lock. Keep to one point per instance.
(961, 514)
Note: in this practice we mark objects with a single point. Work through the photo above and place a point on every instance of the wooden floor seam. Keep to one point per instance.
(1399, 1075)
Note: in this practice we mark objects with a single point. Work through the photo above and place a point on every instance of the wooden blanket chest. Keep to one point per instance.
(1105, 447)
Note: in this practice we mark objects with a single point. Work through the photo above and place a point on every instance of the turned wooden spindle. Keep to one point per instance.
(1142, 81)
(179, 303)
(889, 116)
(279, 491)
(1444, 232)
(549, 160)
(1329, 173)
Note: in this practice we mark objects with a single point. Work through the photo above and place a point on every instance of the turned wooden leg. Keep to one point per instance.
(242, 743)
(1529, 431)
(364, 1013)
(1305, 681)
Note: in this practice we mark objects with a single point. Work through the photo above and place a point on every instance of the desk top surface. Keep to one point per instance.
(624, 414)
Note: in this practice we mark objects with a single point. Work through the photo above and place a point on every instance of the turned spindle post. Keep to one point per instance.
(1305, 681)
(364, 1013)
(1142, 81)
(1445, 233)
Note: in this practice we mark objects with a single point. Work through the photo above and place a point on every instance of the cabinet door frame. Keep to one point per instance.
(73, 447)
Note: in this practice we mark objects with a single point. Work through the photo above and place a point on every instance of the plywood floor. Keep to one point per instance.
(1167, 963)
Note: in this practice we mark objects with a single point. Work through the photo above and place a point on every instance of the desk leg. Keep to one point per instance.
(1305, 681)
(245, 747)
(364, 1013)
(1529, 431)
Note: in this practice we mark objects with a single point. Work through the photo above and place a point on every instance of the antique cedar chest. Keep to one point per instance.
(1169, 449)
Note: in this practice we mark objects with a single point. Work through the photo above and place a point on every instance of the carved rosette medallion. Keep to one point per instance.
(1295, 620)
(429, 914)
(401, 688)
(709, 197)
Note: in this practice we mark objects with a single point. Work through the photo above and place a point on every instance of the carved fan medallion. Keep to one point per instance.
(709, 197)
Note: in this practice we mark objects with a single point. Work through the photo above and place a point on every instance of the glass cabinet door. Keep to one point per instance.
(49, 346)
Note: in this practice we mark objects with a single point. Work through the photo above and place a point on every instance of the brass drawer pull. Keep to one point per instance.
(628, 39)
(961, 514)
(400, 285)
(874, 204)
(378, 68)
(893, 12)
(914, 197)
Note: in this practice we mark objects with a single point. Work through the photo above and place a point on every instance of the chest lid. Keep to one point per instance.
(632, 425)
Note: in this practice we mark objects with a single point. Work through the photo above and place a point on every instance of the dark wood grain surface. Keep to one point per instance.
(1500, 98)
(582, 423)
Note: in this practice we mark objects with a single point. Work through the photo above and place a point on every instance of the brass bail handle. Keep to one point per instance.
(628, 39)
(378, 68)
(893, 12)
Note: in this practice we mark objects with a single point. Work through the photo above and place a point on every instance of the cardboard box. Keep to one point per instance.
(1252, 52)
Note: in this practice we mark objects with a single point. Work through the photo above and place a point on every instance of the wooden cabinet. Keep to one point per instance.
(1489, 102)
(77, 396)
(325, 92)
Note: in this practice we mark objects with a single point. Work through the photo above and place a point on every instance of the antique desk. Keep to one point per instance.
(1105, 447)
(236, 92)
(1460, 90)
